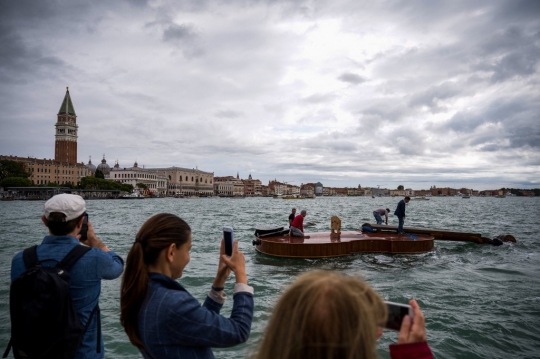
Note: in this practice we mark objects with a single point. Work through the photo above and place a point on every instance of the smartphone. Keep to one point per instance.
(228, 237)
(84, 228)
(396, 313)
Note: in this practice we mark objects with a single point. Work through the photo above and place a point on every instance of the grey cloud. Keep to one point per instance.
(432, 95)
(352, 78)
(177, 32)
(19, 62)
(228, 114)
(319, 98)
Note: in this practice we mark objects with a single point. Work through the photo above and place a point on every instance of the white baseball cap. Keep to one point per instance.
(71, 205)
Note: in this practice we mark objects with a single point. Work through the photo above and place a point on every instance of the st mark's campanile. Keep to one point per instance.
(65, 148)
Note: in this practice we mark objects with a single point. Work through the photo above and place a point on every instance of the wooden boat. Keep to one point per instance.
(326, 244)
(371, 239)
(445, 235)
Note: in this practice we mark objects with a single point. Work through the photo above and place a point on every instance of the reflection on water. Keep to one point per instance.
(480, 301)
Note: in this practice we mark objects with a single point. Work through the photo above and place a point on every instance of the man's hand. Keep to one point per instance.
(92, 240)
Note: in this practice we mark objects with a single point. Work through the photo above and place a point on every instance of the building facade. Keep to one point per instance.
(44, 171)
(187, 182)
(155, 182)
(229, 186)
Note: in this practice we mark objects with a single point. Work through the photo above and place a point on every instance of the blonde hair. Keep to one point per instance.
(326, 315)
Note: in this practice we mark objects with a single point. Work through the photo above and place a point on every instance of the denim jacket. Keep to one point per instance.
(173, 324)
(86, 275)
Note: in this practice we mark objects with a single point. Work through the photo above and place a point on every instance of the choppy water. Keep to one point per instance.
(480, 301)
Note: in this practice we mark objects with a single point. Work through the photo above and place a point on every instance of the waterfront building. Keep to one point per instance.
(156, 183)
(187, 182)
(229, 186)
(252, 187)
(44, 171)
(319, 189)
(307, 190)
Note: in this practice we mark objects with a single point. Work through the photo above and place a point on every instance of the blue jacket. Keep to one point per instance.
(86, 275)
(400, 210)
(173, 324)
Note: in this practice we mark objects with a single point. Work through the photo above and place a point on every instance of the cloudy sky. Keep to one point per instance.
(417, 93)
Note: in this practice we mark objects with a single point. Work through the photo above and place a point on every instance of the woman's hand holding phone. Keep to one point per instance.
(237, 263)
(223, 271)
(413, 331)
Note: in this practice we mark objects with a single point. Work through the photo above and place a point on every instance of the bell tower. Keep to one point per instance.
(65, 148)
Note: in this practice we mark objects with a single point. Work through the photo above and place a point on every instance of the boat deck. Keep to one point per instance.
(325, 244)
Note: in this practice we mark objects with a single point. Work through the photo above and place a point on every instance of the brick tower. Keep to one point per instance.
(65, 148)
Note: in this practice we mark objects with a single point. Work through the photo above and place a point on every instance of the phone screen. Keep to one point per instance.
(84, 228)
(228, 237)
(396, 313)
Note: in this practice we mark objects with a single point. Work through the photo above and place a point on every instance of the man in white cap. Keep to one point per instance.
(64, 215)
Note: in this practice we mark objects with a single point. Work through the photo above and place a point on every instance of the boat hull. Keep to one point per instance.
(326, 244)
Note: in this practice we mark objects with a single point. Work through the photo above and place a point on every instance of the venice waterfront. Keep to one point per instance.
(480, 301)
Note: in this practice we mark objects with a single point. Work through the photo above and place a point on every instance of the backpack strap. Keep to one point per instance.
(10, 344)
(30, 257)
(73, 256)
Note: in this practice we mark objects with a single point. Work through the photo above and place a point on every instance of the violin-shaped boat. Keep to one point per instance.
(277, 241)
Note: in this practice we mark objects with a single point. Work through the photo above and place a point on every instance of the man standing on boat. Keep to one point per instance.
(297, 225)
(381, 212)
(400, 213)
(291, 216)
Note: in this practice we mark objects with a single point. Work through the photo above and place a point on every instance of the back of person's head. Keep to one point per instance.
(407, 198)
(155, 235)
(303, 212)
(62, 213)
(388, 210)
(324, 315)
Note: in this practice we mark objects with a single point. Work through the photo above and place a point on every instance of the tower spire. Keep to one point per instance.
(67, 106)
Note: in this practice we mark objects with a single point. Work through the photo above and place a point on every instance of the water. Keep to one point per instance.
(480, 301)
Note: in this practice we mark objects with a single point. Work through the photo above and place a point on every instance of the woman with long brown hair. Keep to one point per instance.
(159, 316)
(328, 315)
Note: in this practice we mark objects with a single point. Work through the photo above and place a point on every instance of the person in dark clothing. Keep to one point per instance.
(400, 213)
(291, 216)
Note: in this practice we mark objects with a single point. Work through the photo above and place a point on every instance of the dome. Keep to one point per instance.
(90, 166)
(104, 167)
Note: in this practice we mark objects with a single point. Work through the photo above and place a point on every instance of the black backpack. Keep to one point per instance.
(44, 323)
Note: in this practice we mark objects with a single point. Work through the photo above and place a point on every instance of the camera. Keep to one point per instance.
(84, 228)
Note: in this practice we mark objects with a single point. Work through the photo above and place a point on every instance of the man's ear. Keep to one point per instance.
(80, 222)
(45, 221)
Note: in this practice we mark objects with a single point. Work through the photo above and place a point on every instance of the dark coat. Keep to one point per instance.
(400, 210)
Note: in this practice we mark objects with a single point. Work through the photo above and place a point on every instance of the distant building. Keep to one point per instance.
(44, 171)
(229, 186)
(187, 181)
(65, 147)
(64, 168)
(104, 167)
(307, 190)
(319, 189)
(252, 187)
(155, 182)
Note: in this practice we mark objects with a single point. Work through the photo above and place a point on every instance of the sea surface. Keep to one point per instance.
(480, 301)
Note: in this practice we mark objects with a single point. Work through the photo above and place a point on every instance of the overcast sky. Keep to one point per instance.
(417, 93)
